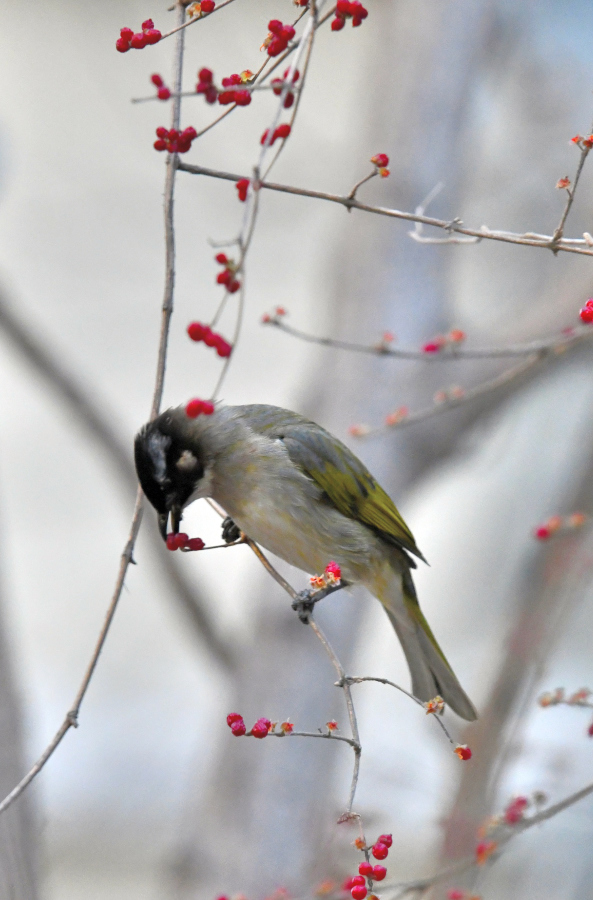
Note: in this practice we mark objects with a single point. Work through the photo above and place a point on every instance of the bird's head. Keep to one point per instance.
(169, 468)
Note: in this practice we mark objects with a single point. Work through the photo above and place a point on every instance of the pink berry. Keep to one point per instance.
(379, 851)
(386, 839)
(379, 873)
(431, 347)
(207, 6)
(260, 729)
(122, 45)
(238, 728)
(148, 23)
(195, 543)
(156, 80)
(338, 23)
(233, 717)
(163, 93)
(138, 41)
(365, 868)
(358, 892)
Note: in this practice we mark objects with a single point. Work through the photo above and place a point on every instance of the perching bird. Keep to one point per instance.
(298, 491)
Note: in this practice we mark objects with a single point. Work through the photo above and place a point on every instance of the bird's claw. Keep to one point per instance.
(303, 606)
(230, 531)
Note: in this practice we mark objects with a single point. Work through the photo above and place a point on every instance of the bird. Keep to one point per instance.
(299, 492)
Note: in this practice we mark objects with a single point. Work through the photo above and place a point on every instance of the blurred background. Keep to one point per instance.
(151, 797)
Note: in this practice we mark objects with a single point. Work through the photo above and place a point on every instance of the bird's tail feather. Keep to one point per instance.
(430, 671)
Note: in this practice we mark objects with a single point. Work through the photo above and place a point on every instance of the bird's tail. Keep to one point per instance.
(430, 671)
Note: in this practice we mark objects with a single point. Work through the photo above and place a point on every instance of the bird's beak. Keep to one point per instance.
(163, 519)
(175, 513)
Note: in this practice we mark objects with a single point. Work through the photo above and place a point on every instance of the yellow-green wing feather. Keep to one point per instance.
(336, 470)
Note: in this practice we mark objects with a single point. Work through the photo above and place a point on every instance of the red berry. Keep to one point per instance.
(195, 331)
(233, 717)
(431, 347)
(238, 728)
(160, 145)
(542, 533)
(288, 100)
(153, 36)
(386, 839)
(233, 287)
(182, 539)
(209, 338)
(590, 730)
(122, 45)
(288, 32)
(226, 97)
(207, 407)
(359, 892)
(148, 23)
(379, 873)
(126, 33)
(276, 46)
(275, 26)
(189, 133)
(196, 543)
(171, 541)
(242, 98)
(357, 879)
(138, 41)
(194, 408)
(162, 132)
(205, 75)
(156, 80)
(381, 160)
(365, 868)
(379, 851)
(163, 93)
(211, 94)
(223, 348)
(221, 258)
(242, 187)
(224, 277)
(586, 314)
(343, 7)
(282, 131)
(207, 6)
(338, 23)
(261, 727)
(264, 137)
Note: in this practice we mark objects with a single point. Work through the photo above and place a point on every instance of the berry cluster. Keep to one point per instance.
(199, 332)
(241, 97)
(198, 407)
(560, 523)
(332, 575)
(442, 341)
(357, 885)
(242, 187)
(586, 313)
(278, 38)
(163, 92)
(227, 276)
(278, 84)
(174, 141)
(260, 729)
(463, 751)
(182, 541)
(267, 318)
(397, 416)
(581, 697)
(282, 131)
(127, 39)
(446, 395)
(348, 10)
(200, 8)
(381, 161)
(205, 85)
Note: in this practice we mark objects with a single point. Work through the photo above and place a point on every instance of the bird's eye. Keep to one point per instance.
(187, 462)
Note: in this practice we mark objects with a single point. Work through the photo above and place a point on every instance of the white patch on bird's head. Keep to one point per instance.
(157, 445)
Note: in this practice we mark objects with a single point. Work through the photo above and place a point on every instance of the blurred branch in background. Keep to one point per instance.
(81, 403)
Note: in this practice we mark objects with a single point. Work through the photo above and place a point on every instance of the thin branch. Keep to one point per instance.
(448, 353)
(193, 19)
(571, 192)
(71, 719)
(527, 239)
(328, 736)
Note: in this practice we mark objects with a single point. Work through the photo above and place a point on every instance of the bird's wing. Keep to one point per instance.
(337, 471)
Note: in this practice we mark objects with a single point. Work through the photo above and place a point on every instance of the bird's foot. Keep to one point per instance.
(230, 531)
(303, 605)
